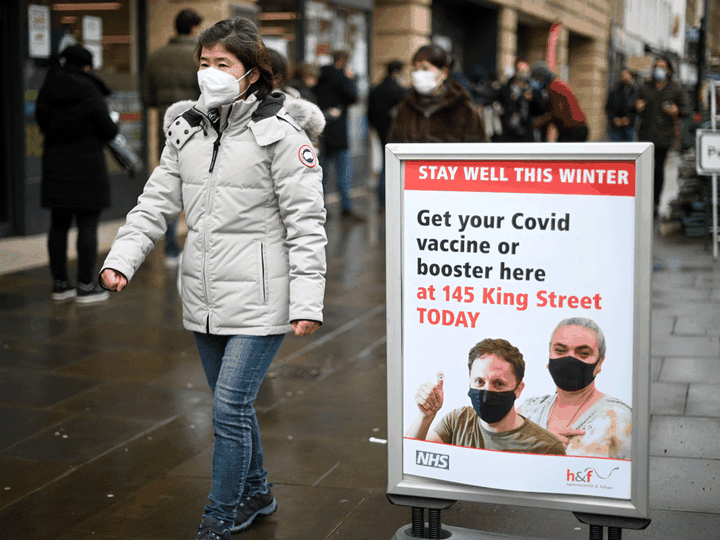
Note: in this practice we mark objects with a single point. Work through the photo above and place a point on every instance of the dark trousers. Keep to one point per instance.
(87, 224)
(659, 177)
(576, 134)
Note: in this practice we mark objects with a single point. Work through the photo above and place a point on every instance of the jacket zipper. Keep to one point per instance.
(216, 148)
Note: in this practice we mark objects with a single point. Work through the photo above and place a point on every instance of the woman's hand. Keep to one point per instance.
(113, 280)
(304, 328)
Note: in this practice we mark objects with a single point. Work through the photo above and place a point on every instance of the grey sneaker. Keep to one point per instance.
(88, 294)
(258, 506)
(62, 290)
(212, 529)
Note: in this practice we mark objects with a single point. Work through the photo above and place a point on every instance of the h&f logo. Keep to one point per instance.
(587, 475)
(431, 459)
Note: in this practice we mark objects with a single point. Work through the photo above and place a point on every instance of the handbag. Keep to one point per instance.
(125, 155)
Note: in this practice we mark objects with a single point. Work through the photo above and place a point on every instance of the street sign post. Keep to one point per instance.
(505, 241)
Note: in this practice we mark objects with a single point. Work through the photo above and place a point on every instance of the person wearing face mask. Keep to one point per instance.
(587, 421)
(620, 109)
(240, 162)
(435, 109)
(496, 372)
(660, 103)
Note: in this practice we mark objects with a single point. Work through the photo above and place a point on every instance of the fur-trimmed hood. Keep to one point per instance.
(306, 114)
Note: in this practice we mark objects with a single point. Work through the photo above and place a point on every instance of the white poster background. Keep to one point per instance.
(38, 31)
(594, 257)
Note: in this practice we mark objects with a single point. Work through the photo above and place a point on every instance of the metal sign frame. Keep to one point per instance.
(699, 134)
(401, 483)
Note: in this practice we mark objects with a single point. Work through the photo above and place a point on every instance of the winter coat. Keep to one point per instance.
(254, 256)
(621, 104)
(382, 105)
(170, 76)
(74, 119)
(450, 117)
(562, 108)
(335, 92)
(656, 126)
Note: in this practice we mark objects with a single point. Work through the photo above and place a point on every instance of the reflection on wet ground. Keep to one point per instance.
(107, 429)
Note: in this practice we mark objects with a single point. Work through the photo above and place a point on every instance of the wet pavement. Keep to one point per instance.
(106, 415)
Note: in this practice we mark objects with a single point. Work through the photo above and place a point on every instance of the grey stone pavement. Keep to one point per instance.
(106, 418)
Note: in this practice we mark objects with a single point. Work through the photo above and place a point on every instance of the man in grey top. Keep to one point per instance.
(171, 76)
(496, 371)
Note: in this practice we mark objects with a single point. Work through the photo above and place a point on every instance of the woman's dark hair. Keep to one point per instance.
(240, 37)
(186, 20)
(279, 68)
(434, 54)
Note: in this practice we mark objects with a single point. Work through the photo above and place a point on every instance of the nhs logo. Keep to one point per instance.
(431, 459)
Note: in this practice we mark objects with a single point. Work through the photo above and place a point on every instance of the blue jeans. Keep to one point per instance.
(235, 367)
(172, 248)
(341, 163)
(622, 134)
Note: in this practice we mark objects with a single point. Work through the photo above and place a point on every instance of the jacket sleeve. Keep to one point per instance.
(159, 204)
(298, 188)
(104, 127)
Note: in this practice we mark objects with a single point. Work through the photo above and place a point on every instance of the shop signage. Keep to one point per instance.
(38, 31)
(707, 156)
(503, 242)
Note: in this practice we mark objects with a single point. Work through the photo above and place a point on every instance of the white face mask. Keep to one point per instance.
(660, 73)
(219, 87)
(425, 82)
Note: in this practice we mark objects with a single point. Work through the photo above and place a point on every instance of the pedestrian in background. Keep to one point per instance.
(76, 124)
(382, 106)
(171, 76)
(305, 81)
(246, 175)
(514, 98)
(562, 108)
(336, 90)
(436, 109)
(620, 109)
(660, 103)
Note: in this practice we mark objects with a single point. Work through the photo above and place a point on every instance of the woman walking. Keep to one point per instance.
(244, 171)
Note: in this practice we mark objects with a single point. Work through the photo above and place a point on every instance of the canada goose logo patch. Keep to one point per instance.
(307, 155)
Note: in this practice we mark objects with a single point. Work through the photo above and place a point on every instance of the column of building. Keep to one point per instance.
(400, 28)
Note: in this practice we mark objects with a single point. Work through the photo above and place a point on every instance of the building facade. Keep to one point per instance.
(591, 38)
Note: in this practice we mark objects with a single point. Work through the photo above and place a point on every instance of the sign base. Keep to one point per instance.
(457, 533)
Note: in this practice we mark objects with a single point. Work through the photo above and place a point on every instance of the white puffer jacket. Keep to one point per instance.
(254, 257)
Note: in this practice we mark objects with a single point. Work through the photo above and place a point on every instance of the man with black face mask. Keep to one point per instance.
(587, 421)
(496, 372)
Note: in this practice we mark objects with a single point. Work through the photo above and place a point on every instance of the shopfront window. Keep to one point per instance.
(108, 29)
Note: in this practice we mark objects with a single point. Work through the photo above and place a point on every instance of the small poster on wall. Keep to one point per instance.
(39, 31)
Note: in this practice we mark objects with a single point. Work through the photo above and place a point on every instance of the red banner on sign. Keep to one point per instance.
(549, 177)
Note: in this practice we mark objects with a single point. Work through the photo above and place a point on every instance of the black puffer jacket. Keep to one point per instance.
(72, 115)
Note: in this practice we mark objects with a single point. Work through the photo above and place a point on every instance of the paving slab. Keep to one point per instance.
(703, 400)
(683, 436)
(685, 485)
(691, 370)
(668, 398)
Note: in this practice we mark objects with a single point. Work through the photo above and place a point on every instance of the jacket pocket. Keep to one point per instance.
(262, 278)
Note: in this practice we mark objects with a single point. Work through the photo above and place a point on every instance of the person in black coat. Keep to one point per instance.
(382, 105)
(336, 90)
(75, 121)
(620, 109)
